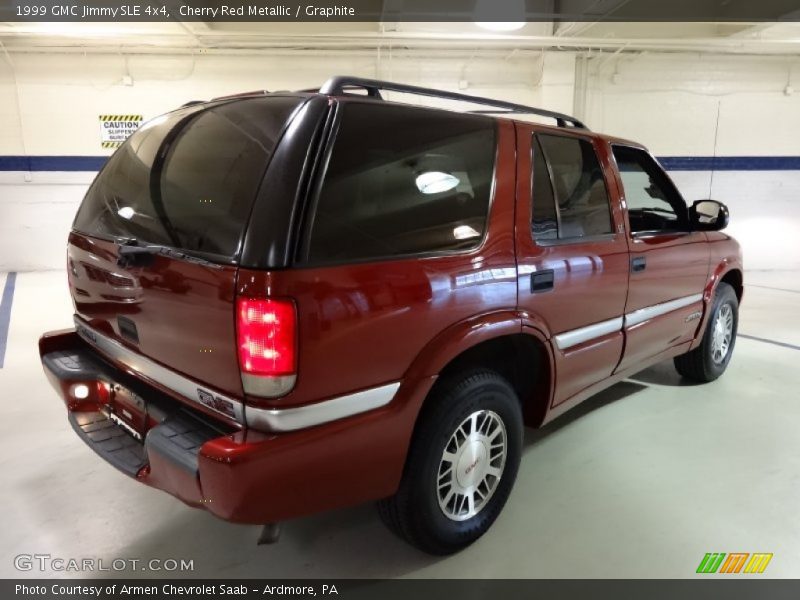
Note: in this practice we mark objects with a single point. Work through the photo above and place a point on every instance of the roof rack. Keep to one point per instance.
(241, 95)
(340, 84)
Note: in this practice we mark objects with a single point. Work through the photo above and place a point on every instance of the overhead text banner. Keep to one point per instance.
(397, 10)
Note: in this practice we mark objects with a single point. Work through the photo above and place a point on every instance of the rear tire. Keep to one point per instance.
(461, 465)
(710, 359)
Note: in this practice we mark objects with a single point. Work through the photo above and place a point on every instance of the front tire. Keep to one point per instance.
(710, 359)
(461, 466)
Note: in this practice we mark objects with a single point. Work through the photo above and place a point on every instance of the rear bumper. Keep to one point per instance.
(244, 475)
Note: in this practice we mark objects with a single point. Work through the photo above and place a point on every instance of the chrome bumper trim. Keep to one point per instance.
(290, 419)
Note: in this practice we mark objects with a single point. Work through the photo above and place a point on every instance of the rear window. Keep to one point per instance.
(403, 181)
(188, 179)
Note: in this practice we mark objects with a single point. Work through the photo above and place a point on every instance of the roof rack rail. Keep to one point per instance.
(340, 84)
(241, 95)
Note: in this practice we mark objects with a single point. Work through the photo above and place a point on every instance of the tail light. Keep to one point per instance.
(266, 331)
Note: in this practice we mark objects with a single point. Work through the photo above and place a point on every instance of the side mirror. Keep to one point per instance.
(708, 215)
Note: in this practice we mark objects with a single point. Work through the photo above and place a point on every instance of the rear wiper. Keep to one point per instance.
(132, 254)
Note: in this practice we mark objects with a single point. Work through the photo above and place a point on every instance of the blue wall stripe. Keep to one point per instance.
(731, 163)
(5, 314)
(52, 163)
(671, 163)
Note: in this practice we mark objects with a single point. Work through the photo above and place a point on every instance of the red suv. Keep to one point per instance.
(296, 301)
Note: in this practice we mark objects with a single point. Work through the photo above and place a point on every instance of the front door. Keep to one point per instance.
(669, 263)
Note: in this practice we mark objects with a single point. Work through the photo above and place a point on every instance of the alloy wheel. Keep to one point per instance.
(722, 334)
(472, 464)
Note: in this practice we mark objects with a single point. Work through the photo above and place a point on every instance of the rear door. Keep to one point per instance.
(572, 253)
(669, 263)
(186, 181)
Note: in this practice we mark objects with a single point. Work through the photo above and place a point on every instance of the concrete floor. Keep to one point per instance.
(640, 481)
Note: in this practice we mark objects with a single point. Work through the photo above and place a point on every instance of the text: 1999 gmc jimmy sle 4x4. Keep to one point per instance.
(297, 301)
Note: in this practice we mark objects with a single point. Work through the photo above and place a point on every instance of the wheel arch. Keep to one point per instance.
(522, 359)
(728, 272)
(734, 278)
(513, 344)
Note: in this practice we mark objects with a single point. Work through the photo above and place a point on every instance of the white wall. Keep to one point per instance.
(672, 103)
(765, 212)
(62, 95)
(677, 104)
(695, 105)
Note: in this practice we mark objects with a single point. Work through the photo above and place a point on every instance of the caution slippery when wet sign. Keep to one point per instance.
(115, 129)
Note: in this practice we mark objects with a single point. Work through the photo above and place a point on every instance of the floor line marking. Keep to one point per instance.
(5, 313)
(766, 341)
(767, 287)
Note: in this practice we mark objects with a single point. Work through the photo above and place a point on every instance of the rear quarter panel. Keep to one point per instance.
(362, 325)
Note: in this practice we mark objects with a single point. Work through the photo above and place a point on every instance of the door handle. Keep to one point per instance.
(638, 263)
(542, 281)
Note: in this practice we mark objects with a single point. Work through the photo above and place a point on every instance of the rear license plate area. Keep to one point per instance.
(128, 410)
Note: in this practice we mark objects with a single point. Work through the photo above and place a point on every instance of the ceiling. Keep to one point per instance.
(251, 37)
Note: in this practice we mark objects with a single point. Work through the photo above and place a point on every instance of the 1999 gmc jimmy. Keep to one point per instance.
(296, 301)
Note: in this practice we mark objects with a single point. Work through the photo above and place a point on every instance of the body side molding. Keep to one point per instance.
(263, 419)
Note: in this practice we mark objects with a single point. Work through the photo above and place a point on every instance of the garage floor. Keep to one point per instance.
(640, 481)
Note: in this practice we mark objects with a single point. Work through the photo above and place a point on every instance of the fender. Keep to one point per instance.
(725, 265)
(537, 408)
(462, 336)
(723, 268)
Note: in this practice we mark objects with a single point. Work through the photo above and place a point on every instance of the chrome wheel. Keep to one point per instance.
(472, 464)
(722, 334)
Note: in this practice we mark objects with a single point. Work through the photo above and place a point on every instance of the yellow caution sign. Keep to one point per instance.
(115, 129)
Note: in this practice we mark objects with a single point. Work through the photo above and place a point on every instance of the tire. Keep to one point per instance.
(710, 359)
(477, 405)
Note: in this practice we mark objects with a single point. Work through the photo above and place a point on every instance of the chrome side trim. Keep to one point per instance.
(290, 419)
(649, 312)
(571, 338)
(180, 384)
(265, 419)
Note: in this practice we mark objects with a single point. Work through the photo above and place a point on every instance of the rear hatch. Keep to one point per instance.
(154, 252)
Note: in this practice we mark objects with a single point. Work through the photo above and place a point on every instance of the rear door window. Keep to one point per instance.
(188, 179)
(545, 216)
(403, 181)
(577, 193)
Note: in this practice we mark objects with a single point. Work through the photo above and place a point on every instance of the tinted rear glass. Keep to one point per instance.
(188, 179)
(403, 181)
(545, 219)
(579, 186)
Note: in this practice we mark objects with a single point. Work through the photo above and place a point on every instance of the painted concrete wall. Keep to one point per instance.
(694, 105)
(677, 104)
